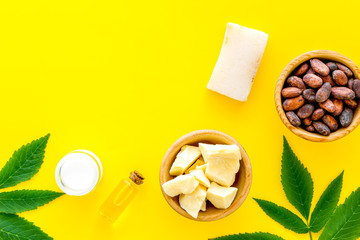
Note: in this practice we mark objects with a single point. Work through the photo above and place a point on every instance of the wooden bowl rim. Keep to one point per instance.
(240, 196)
(290, 67)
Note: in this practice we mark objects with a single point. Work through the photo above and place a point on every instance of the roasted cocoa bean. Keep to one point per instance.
(291, 104)
(346, 117)
(328, 79)
(319, 67)
(291, 92)
(293, 118)
(356, 88)
(310, 128)
(307, 121)
(323, 93)
(351, 103)
(294, 81)
(345, 69)
(317, 114)
(338, 107)
(310, 71)
(306, 110)
(312, 80)
(309, 94)
(322, 128)
(343, 93)
(328, 105)
(302, 69)
(332, 66)
(331, 122)
(340, 77)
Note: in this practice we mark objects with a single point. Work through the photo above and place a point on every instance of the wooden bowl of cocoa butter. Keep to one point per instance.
(316, 97)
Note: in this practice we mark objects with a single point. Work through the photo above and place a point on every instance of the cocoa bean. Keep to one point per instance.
(307, 121)
(338, 107)
(306, 111)
(328, 79)
(294, 81)
(321, 128)
(356, 88)
(309, 94)
(331, 122)
(340, 77)
(345, 69)
(310, 71)
(332, 66)
(291, 104)
(328, 105)
(291, 92)
(312, 80)
(346, 117)
(302, 69)
(351, 103)
(351, 83)
(310, 128)
(293, 118)
(323, 93)
(317, 114)
(343, 93)
(319, 67)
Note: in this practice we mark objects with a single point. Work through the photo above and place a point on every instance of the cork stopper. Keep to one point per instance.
(137, 178)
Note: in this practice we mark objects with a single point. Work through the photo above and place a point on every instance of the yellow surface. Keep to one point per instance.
(125, 79)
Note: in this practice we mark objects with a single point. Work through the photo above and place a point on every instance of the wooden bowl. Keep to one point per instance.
(321, 54)
(242, 182)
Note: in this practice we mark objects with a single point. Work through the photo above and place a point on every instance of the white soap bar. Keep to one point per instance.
(238, 61)
(182, 184)
(221, 197)
(193, 202)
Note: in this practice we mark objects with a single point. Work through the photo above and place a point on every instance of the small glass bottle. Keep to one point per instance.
(121, 196)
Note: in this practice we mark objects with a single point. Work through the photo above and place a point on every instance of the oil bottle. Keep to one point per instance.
(121, 196)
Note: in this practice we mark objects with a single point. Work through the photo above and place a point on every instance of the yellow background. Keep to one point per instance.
(125, 79)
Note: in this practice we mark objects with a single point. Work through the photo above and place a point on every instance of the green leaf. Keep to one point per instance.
(283, 216)
(24, 163)
(16, 228)
(296, 180)
(345, 222)
(25, 200)
(326, 204)
(250, 236)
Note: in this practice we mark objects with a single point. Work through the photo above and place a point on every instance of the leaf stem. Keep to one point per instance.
(310, 235)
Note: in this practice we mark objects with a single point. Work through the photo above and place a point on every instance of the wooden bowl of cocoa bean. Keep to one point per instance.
(317, 96)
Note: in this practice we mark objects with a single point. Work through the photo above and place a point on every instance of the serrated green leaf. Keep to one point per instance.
(250, 236)
(283, 216)
(25, 200)
(24, 163)
(297, 182)
(326, 204)
(13, 227)
(345, 222)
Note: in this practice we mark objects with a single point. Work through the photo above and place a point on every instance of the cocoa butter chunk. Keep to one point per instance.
(294, 81)
(293, 118)
(291, 104)
(346, 117)
(351, 103)
(323, 93)
(338, 107)
(306, 111)
(328, 105)
(356, 88)
(331, 122)
(342, 93)
(321, 128)
(317, 114)
(319, 67)
(332, 66)
(302, 69)
(309, 94)
(345, 69)
(340, 77)
(313, 81)
(291, 92)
